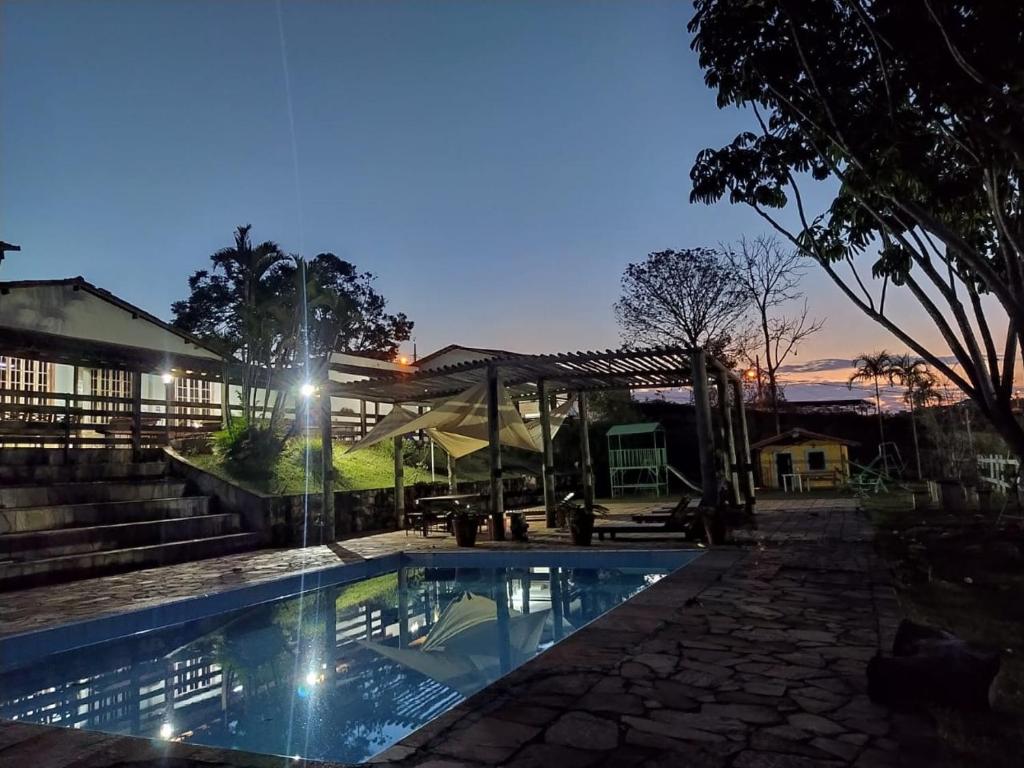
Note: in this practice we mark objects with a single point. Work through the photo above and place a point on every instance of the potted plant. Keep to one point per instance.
(581, 525)
(465, 523)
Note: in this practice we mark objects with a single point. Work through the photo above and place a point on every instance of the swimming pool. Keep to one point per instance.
(334, 665)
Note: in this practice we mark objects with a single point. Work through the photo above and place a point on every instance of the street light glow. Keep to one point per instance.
(307, 389)
(167, 377)
(166, 731)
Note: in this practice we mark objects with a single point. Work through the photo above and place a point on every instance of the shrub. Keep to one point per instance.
(247, 450)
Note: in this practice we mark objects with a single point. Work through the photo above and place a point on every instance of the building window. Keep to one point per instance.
(193, 391)
(816, 461)
(113, 384)
(19, 374)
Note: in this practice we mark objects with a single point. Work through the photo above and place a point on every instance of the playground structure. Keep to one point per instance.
(884, 471)
(637, 460)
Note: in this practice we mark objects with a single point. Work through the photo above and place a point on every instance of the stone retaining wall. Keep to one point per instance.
(282, 520)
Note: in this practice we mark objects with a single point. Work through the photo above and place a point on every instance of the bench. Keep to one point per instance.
(676, 520)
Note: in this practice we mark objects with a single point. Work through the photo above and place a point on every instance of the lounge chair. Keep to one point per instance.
(679, 519)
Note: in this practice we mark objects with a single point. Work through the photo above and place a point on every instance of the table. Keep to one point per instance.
(435, 509)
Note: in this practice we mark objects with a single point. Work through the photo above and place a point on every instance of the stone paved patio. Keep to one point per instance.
(750, 657)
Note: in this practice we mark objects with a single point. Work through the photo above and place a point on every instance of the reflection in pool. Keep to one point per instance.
(339, 673)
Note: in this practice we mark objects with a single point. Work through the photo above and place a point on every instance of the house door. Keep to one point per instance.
(783, 466)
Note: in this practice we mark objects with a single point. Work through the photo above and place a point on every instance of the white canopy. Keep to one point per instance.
(459, 424)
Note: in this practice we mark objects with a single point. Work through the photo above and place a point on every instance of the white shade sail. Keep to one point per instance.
(459, 424)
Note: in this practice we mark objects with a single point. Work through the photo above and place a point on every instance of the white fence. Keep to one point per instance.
(998, 471)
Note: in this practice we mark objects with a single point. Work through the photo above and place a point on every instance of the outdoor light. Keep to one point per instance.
(403, 360)
(307, 389)
(312, 679)
(167, 377)
(166, 731)
(750, 373)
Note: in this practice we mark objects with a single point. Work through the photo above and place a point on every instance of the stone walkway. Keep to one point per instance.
(750, 657)
(763, 666)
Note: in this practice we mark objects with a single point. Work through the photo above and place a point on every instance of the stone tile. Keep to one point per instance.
(581, 730)
(816, 724)
(547, 755)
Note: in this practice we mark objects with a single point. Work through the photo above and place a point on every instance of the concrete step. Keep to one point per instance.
(73, 541)
(60, 457)
(47, 518)
(33, 573)
(86, 493)
(48, 474)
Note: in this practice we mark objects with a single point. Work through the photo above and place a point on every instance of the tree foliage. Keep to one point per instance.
(282, 317)
(688, 297)
(913, 111)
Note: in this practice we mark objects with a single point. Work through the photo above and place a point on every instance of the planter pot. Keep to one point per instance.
(984, 499)
(952, 496)
(581, 525)
(465, 530)
(922, 498)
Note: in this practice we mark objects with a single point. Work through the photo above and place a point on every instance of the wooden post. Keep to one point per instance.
(137, 414)
(705, 434)
(225, 399)
(494, 446)
(327, 457)
(169, 397)
(728, 436)
(548, 460)
(747, 467)
(586, 468)
(362, 418)
(399, 484)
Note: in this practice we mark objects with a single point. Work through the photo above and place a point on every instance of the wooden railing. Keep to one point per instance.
(998, 471)
(61, 419)
(636, 457)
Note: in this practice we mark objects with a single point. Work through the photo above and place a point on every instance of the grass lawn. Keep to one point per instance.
(367, 469)
(963, 574)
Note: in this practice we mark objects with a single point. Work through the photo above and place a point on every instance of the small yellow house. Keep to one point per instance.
(799, 459)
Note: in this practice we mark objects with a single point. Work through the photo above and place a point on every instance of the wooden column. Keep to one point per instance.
(586, 468)
(705, 433)
(225, 398)
(169, 398)
(362, 418)
(327, 457)
(728, 436)
(548, 460)
(399, 484)
(494, 450)
(746, 466)
(137, 413)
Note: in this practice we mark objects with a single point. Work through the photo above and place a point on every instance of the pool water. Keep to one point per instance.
(339, 672)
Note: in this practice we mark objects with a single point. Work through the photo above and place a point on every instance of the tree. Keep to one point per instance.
(283, 316)
(913, 113)
(920, 389)
(230, 307)
(770, 277)
(872, 367)
(689, 297)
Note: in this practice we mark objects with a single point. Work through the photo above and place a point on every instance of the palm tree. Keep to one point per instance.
(872, 367)
(914, 376)
(245, 265)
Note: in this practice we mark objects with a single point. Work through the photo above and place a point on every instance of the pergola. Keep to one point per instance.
(723, 442)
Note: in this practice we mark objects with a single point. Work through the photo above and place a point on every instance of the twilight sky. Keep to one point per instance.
(496, 164)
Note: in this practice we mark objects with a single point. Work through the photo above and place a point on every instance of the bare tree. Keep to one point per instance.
(689, 297)
(770, 276)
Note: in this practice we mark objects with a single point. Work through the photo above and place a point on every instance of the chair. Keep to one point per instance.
(676, 520)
